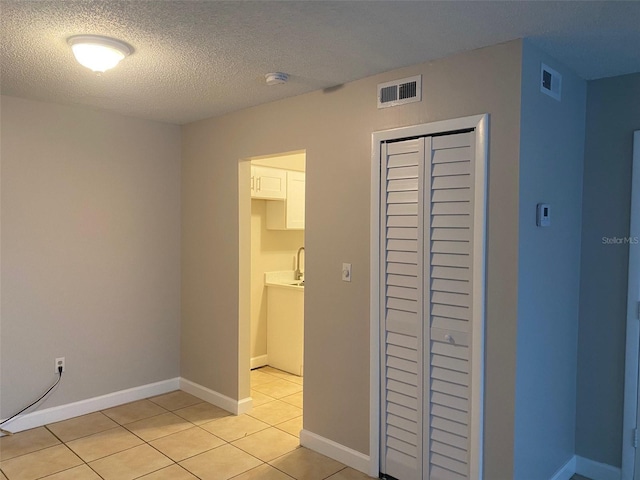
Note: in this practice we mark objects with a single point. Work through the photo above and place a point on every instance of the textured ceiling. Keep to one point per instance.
(197, 59)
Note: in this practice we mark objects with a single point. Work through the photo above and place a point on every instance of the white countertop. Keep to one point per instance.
(285, 279)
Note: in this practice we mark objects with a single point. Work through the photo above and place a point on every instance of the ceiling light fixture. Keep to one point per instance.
(98, 53)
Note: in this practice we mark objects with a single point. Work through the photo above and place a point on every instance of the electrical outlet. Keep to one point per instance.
(59, 363)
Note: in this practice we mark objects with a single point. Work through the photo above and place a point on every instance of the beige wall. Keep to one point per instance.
(334, 127)
(90, 252)
(271, 250)
(290, 161)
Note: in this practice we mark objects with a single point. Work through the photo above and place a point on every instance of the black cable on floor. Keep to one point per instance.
(31, 405)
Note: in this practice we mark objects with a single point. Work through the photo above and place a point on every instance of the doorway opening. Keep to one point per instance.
(272, 267)
(631, 425)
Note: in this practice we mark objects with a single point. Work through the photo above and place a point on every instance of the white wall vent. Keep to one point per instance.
(399, 92)
(550, 82)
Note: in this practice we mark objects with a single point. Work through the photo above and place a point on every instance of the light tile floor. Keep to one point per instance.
(177, 436)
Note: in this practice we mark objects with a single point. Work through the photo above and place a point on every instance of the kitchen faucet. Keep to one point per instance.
(299, 273)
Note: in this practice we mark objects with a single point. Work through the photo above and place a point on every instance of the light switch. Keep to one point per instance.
(346, 272)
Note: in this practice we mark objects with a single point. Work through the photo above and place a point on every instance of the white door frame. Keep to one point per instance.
(480, 123)
(630, 422)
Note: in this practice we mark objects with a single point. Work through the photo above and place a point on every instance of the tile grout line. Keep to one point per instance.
(197, 426)
(191, 425)
(71, 450)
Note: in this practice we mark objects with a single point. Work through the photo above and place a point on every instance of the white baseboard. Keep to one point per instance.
(90, 405)
(566, 471)
(245, 405)
(259, 361)
(596, 470)
(351, 458)
(237, 407)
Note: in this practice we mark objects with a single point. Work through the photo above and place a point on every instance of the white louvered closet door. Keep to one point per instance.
(426, 305)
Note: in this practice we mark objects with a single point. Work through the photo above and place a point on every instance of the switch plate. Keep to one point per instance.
(346, 272)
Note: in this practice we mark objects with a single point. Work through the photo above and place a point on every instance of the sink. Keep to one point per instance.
(284, 279)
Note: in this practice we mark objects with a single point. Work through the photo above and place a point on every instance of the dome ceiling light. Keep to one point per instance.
(98, 53)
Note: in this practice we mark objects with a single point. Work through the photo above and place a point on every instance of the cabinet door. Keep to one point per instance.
(268, 183)
(295, 200)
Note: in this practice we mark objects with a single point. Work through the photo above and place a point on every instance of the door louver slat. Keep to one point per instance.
(402, 209)
(451, 221)
(441, 285)
(449, 389)
(403, 293)
(402, 172)
(438, 473)
(402, 233)
(453, 181)
(448, 350)
(400, 151)
(446, 298)
(457, 195)
(449, 426)
(458, 454)
(406, 184)
(402, 257)
(448, 438)
(401, 352)
(403, 435)
(449, 463)
(456, 140)
(452, 155)
(457, 168)
(402, 281)
(449, 247)
(455, 402)
(404, 377)
(402, 423)
(452, 208)
(449, 324)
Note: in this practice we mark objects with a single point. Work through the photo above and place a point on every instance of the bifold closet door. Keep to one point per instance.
(426, 299)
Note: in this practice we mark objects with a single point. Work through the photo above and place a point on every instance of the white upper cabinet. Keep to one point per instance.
(288, 215)
(268, 183)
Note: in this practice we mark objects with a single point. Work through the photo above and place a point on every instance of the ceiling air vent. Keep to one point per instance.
(399, 92)
(550, 82)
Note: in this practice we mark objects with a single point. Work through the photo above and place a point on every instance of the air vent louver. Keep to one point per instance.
(407, 90)
(399, 92)
(389, 94)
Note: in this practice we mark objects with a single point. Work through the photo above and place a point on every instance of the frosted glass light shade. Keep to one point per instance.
(98, 53)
